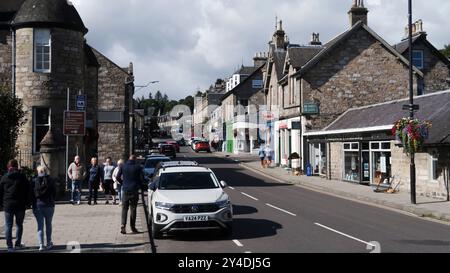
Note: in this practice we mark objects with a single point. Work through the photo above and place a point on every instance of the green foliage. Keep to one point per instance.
(11, 115)
(446, 51)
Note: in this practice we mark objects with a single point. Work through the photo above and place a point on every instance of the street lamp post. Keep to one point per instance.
(411, 105)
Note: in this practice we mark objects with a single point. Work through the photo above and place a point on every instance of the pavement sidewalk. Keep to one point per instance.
(426, 207)
(95, 228)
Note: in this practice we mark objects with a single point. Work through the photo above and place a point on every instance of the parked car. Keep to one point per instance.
(184, 196)
(193, 140)
(151, 163)
(202, 146)
(175, 144)
(168, 150)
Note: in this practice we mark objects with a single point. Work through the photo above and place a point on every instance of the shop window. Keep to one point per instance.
(352, 162)
(41, 125)
(381, 162)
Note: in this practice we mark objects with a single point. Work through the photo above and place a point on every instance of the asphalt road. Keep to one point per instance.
(272, 217)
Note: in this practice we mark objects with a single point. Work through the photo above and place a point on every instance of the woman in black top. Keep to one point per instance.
(43, 195)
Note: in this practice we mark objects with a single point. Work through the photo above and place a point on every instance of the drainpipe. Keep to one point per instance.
(13, 66)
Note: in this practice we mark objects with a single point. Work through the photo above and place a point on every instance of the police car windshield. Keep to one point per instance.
(187, 181)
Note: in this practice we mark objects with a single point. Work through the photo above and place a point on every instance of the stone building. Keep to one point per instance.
(240, 112)
(361, 147)
(356, 68)
(44, 54)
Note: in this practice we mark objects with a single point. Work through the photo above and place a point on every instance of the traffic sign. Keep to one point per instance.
(81, 102)
(74, 123)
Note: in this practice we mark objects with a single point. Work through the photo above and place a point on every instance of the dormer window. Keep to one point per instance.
(42, 50)
(418, 58)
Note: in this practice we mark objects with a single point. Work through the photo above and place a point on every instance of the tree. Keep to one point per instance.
(11, 115)
(446, 51)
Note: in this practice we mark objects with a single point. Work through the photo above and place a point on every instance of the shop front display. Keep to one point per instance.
(352, 162)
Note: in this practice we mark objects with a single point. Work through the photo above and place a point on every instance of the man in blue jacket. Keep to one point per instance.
(131, 176)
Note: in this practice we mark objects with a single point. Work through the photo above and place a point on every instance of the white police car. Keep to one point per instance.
(185, 196)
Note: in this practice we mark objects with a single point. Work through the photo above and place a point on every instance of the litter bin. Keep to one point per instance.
(308, 170)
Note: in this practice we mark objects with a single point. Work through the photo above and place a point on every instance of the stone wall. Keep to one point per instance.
(112, 140)
(5, 60)
(49, 89)
(112, 96)
(359, 72)
(425, 186)
(335, 158)
(435, 71)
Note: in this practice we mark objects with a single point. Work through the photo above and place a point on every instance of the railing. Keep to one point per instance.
(26, 159)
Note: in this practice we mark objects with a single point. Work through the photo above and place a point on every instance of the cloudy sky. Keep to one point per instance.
(188, 44)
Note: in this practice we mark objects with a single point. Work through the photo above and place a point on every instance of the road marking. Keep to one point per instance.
(248, 195)
(346, 235)
(238, 243)
(231, 187)
(285, 211)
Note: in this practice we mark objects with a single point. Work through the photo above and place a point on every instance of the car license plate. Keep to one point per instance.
(196, 218)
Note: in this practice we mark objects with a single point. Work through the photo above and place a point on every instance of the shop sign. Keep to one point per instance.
(311, 109)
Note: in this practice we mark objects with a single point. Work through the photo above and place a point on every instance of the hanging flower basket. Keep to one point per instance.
(411, 133)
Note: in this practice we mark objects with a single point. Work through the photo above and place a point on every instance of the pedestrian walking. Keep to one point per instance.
(269, 154)
(117, 184)
(131, 175)
(15, 199)
(262, 156)
(43, 195)
(77, 174)
(95, 178)
(108, 186)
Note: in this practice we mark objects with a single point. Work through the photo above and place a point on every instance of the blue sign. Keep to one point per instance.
(81, 102)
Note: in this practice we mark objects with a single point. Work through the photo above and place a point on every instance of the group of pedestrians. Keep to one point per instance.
(265, 154)
(98, 178)
(125, 179)
(17, 194)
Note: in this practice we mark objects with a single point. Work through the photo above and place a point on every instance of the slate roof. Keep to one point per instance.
(403, 46)
(279, 57)
(299, 56)
(239, 87)
(328, 47)
(245, 70)
(49, 13)
(434, 107)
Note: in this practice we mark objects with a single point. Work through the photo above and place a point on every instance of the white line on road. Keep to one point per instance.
(346, 235)
(249, 196)
(238, 243)
(285, 211)
(231, 187)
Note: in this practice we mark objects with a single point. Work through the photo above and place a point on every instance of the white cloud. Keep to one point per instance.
(187, 44)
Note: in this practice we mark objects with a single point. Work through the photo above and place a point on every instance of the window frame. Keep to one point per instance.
(35, 53)
(421, 59)
(35, 125)
(433, 157)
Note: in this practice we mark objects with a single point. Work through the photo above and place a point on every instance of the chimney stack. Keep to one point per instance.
(358, 13)
(315, 40)
(417, 29)
(260, 59)
(279, 37)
